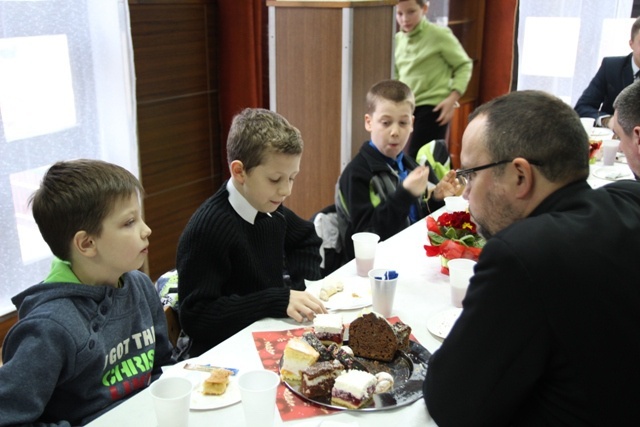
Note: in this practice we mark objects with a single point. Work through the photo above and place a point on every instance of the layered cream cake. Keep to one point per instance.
(353, 389)
(329, 328)
(318, 379)
(298, 355)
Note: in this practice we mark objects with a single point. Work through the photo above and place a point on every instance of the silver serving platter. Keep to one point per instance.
(407, 369)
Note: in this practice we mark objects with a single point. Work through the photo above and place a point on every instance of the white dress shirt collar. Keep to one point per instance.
(240, 204)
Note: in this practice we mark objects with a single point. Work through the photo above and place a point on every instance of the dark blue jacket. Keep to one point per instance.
(615, 74)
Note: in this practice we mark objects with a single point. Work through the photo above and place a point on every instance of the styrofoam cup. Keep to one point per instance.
(460, 272)
(364, 246)
(171, 400)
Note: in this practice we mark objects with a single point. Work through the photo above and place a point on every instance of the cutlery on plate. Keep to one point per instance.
(207, 368)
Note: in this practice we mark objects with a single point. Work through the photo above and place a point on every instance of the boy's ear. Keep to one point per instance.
(236, 168)
(367, 122)
(84, 244)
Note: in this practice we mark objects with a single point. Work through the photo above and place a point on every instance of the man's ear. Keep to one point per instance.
(636, 138)
(84, 244)
(525, 177)
(236, 168)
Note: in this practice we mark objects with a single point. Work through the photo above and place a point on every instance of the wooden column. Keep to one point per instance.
(466, 20)
(323, 57)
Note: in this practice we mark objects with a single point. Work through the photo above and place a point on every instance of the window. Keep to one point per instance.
(562, 43)
(66, 91)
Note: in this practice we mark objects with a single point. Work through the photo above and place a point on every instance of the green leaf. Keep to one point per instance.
(435, 238)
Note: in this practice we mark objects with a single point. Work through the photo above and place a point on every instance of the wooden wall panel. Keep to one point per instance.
(372, 44)
(175, 56)
(308, 70)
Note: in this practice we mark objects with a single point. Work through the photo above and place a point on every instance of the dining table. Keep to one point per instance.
(422, 301)
(422, 291)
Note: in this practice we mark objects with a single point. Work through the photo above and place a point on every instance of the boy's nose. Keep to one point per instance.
(146, 231)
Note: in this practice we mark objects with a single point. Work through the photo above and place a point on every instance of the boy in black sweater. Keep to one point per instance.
(243, 256)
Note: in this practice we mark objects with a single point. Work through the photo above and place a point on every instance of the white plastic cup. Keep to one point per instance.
(258, 392)
(364, 246)
(460, 272)
(456, 204)
(587, 123)
(609, 150)
(171, 400)
(383, 291)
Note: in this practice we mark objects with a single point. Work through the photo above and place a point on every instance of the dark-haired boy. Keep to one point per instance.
(93, 332)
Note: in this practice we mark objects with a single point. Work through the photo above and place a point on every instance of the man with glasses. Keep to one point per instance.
(549, 332)
(626, 124)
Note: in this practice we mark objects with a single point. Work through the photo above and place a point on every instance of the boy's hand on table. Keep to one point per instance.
(304, 306)
(448, 186)
(416, 181)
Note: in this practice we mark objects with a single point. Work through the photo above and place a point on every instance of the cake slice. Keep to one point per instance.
(329, 328)
(298, 355)
(403, 333)
(353, 389)
(217, 382)
(313, 341)
(373, 337)
(318, 379)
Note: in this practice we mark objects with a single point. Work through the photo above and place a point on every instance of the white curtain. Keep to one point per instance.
(66, 91)
(561, 43)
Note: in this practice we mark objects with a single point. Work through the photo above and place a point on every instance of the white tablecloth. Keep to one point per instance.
(422, 292)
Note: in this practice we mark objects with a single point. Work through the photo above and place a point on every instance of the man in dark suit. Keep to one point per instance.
(548, 334)
(615, 73)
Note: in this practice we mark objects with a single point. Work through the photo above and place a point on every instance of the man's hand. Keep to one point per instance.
(304, 306)
(416, 181)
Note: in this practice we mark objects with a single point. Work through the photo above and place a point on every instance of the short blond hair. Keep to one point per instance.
(389, 90)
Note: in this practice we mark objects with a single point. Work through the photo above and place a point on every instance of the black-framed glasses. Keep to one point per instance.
(463, 175)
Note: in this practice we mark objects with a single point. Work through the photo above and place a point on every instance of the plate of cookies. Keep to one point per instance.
(377, 368)
(341, 294)
(213, 387)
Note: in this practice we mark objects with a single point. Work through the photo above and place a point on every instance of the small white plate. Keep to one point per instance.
(612, 173)
(199, 400)
(601, 132)
(441, 323)
(356, 293)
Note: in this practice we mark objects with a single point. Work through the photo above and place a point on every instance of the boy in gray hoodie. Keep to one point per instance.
(93, 332)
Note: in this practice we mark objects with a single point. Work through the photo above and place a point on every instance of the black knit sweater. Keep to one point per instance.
(231, 271)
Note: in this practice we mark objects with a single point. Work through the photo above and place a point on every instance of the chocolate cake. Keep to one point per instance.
(314, 341)
(373, 337)
(403, 333)
(347, 360)
(318, 379)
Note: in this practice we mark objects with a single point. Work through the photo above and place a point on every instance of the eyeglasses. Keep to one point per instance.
(465, 175)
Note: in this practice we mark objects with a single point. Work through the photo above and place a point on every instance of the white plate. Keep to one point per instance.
(356, 293)
(621, 158)
(441, 323)
(612, 173)
(601, 132)
(199, 400)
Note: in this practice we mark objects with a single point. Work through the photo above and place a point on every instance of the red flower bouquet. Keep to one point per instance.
(453, 235)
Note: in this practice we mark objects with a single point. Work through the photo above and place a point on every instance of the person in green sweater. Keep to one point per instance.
(243, 256)
(432, 62)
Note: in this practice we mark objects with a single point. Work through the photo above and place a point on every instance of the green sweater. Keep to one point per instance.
(432, 62)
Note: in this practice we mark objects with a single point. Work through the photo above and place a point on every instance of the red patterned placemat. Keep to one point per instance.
(270, 346)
